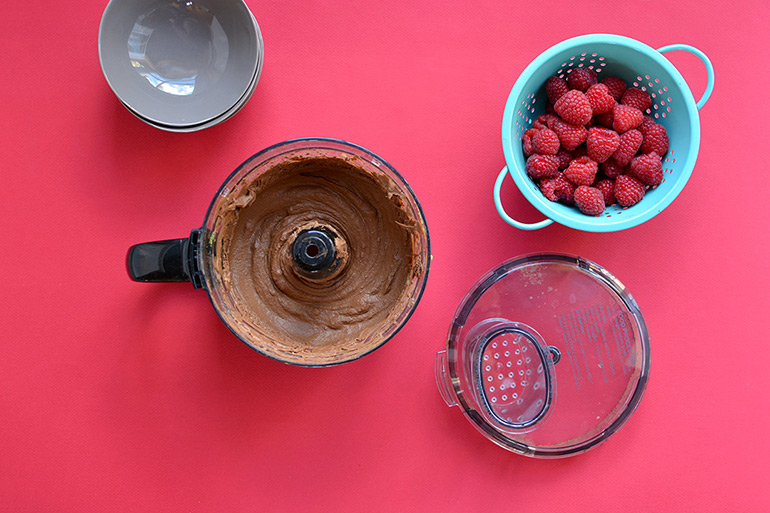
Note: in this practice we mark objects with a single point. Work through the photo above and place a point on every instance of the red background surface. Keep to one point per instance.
(118, 396)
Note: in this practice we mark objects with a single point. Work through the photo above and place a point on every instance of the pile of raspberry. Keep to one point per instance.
(595, 146)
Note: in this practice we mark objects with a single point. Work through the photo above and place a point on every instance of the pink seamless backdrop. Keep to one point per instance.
(118, 396)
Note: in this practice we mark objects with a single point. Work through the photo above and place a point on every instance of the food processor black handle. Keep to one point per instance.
(159, 261)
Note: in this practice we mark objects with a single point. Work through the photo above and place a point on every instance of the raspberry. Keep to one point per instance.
(564, 158)
(629, 145)
(573, 107)
(564, 189)
(570, 136)
(544, 121)
(589, 200)
(628, 191)
(647, 168)
(591, 126)
(542, 166)
(527, 146)
(601, 143)
(546, 142)
(647, 121)
(636, 98)
(527, 141)
(578, 152)
(548, 187)
(616, 86)
(555, 88)
(600, 99)
(607, 187)
(655, 140)
(581, 79)
(626, 118)
(612, 169)
(557, 188)
(581, 171)
(605, 119)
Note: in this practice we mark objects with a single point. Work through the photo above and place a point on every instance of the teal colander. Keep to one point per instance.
(640, 66)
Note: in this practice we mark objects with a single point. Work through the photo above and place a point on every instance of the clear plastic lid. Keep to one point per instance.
(548, 355)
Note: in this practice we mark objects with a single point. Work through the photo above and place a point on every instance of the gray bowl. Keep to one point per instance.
(180, 65)
(212, 122)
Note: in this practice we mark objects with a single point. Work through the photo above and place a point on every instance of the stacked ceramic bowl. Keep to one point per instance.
(181, 65)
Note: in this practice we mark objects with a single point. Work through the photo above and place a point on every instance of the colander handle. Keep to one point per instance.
(508, 219)
(706, 62)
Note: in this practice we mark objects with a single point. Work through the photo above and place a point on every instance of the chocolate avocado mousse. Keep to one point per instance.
(320, 259)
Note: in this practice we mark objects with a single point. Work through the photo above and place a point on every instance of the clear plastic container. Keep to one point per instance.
(548, 355)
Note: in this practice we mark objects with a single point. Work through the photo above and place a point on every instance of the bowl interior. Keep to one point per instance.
(640, 66)
(179, 63)
(206, 124)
